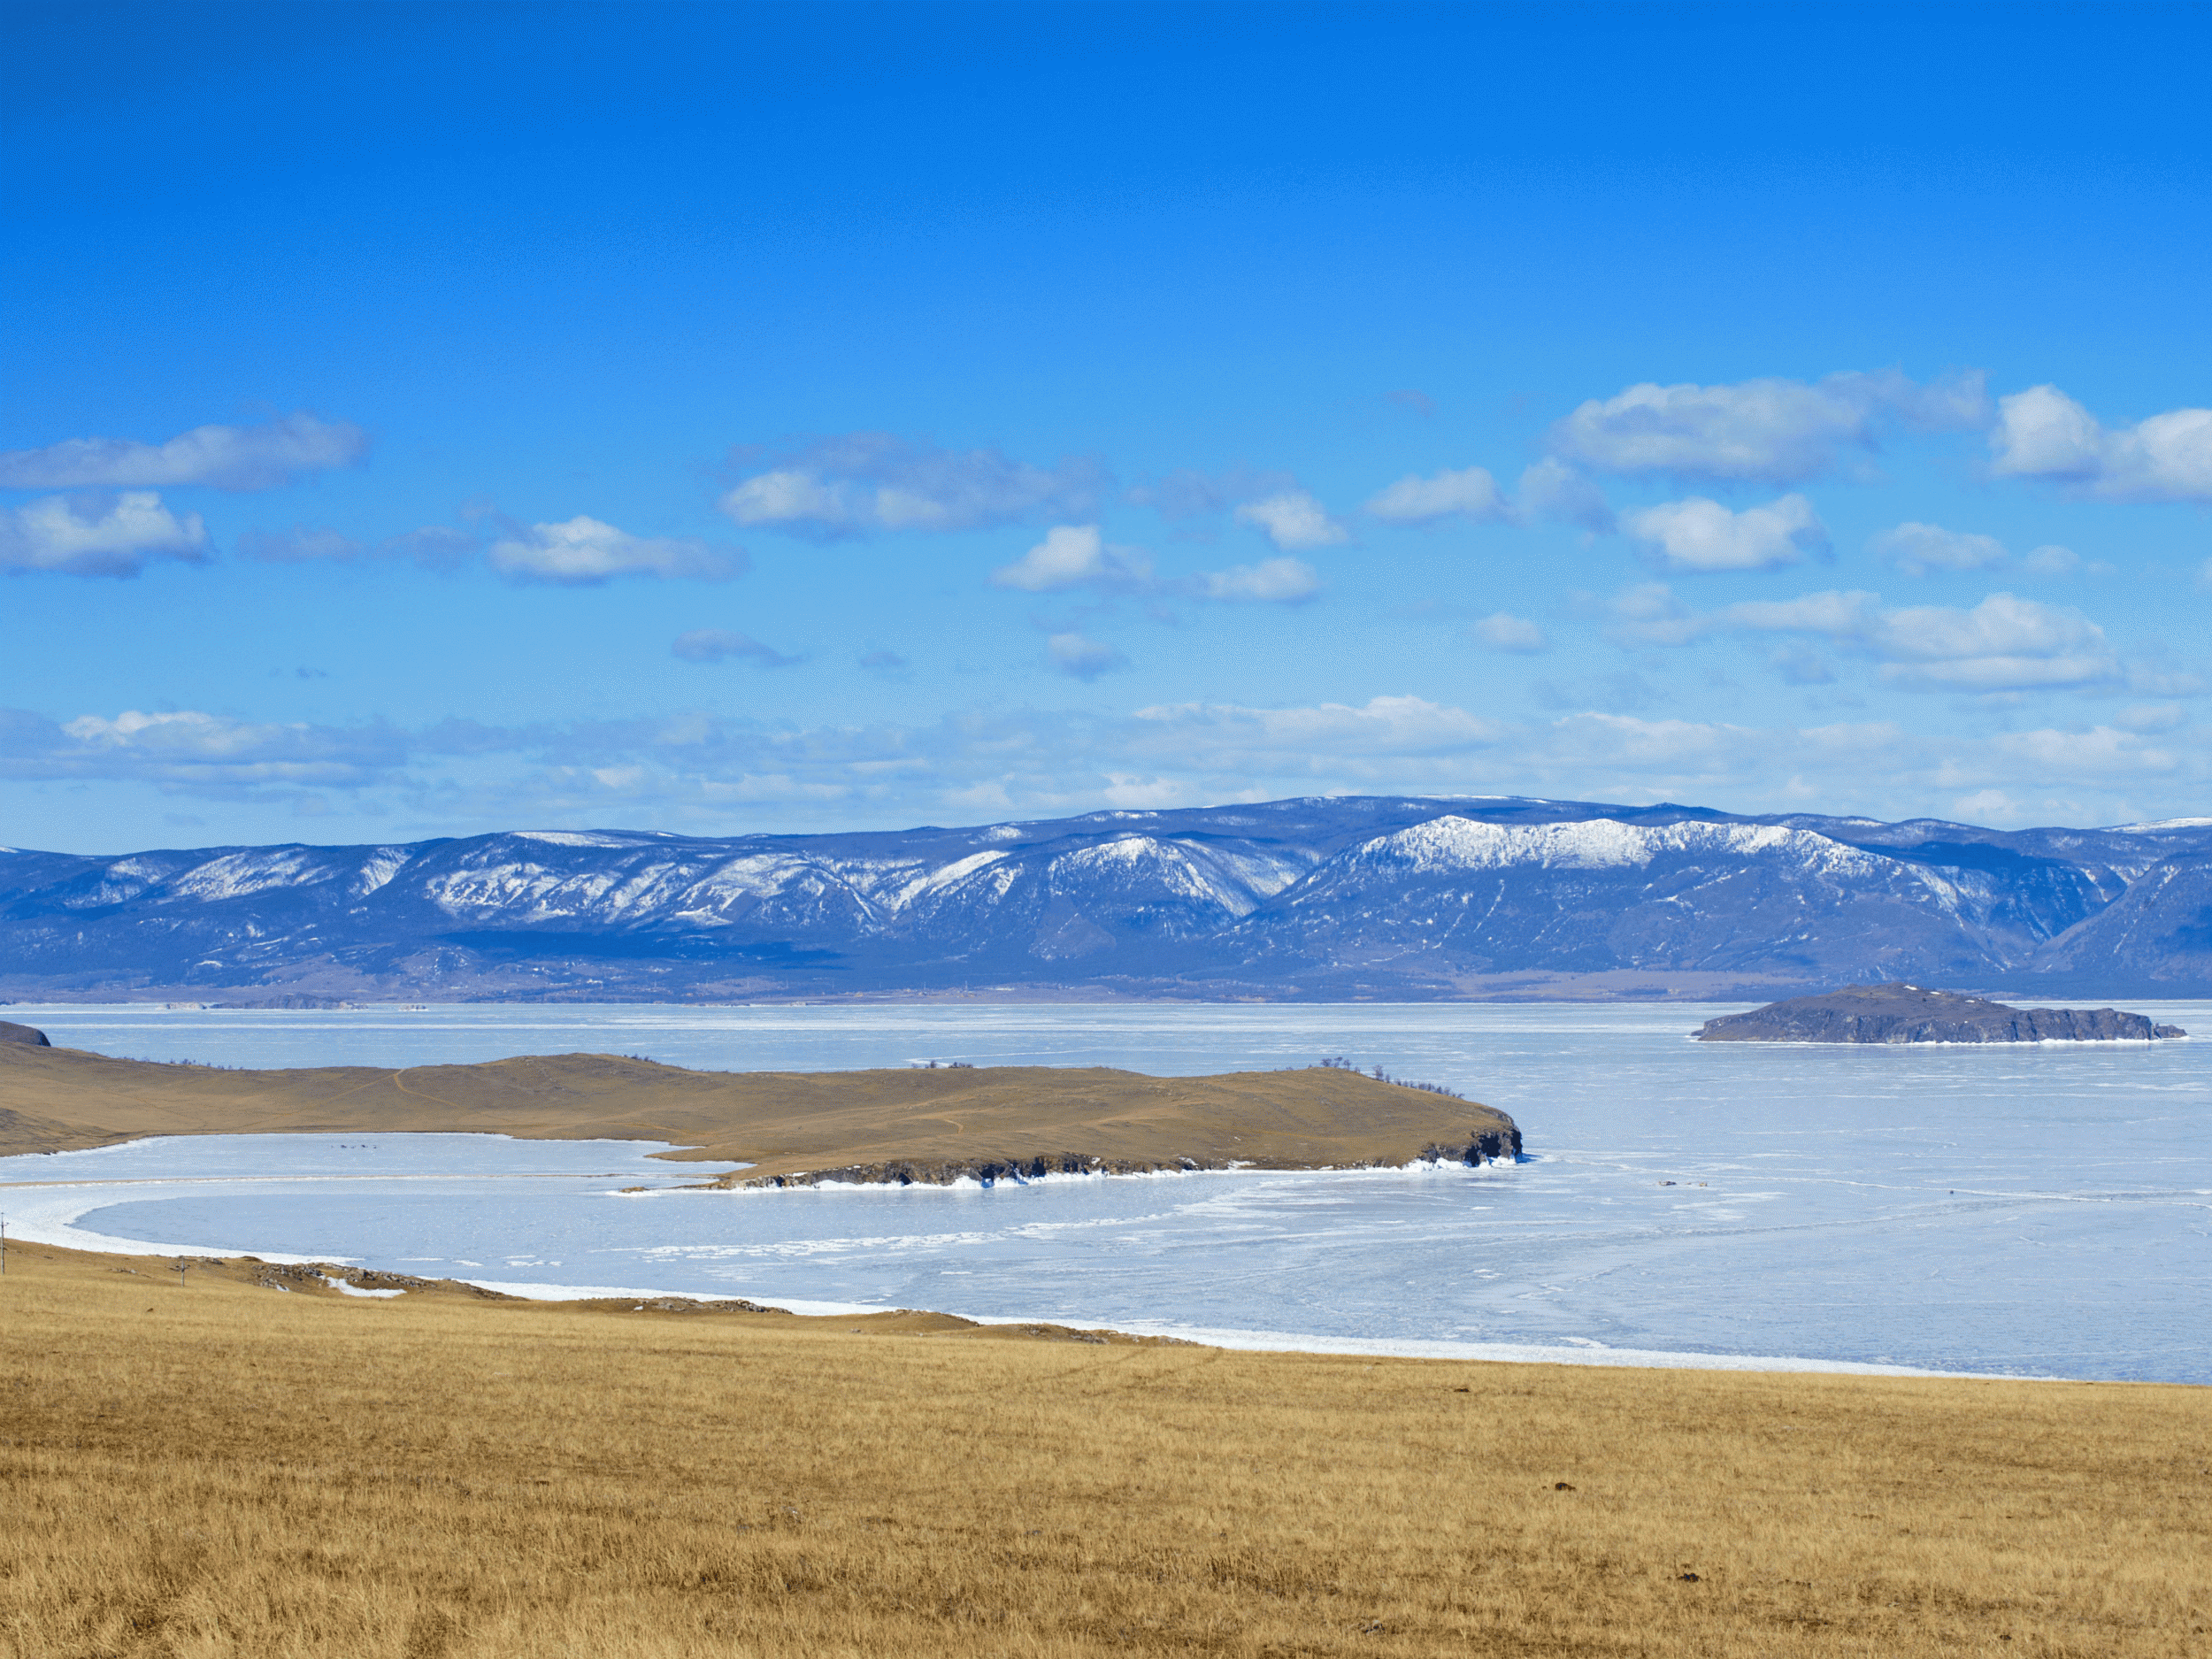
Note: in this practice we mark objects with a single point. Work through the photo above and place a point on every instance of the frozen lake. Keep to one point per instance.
(2044, 1209)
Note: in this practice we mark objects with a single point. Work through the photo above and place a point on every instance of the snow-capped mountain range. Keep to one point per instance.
(1371, 896)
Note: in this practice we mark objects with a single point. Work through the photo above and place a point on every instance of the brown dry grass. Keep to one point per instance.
(218, 1468)
(55, 1098)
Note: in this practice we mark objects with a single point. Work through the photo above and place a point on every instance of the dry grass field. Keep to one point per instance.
(780, 1122)
(218, 1468)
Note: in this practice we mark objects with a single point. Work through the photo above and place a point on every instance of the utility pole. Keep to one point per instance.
(182, 1266)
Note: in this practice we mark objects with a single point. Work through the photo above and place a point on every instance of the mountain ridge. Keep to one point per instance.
(1313, 898)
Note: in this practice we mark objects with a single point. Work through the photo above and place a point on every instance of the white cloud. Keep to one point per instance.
(1076, 555)
(1503, 631)
(1649, 614)
(188, 748)
(1701, 535)
(1840, 615)
(717, 773)
(1275, 581)
(2043, 433)
(2051, 560)
(1383, 725)
(587, 551)
(1471, 492)
(98, 535)
(1188, 493)
(1761, 431)
(871, 481)
(1084, 658)
(2004, 644)
(1552, 489)
(719, 645)
(1294, 521)
(1917, 549)
(225, 458)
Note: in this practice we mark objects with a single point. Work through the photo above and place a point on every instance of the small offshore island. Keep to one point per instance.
(1898, 1012)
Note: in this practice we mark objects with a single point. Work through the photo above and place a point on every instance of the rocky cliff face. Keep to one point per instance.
(1385, 896)
(1906, 1013)
(10, 1032)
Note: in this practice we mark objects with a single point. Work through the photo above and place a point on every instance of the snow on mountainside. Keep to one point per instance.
(1388, 896)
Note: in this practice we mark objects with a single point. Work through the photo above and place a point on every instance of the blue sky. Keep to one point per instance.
(423, 419)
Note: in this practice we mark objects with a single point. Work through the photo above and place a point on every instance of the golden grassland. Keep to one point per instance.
(217, 1468)
(781, 1122)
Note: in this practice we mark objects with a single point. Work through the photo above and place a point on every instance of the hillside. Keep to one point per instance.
(910, 1123)
(444, 1473)
(1389, 897)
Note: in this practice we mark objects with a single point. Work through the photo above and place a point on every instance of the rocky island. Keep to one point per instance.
(1906, 1013)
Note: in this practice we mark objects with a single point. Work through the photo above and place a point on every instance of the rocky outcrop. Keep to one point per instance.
(10, 1032)
(1906, 1013)
(1475, 1148)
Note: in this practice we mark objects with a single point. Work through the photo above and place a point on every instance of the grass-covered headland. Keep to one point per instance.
(905, 1123)
(216, 1466)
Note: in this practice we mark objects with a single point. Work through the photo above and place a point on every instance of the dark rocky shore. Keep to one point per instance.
(1487, 1147)
(10, 1032)
(1905, 1013)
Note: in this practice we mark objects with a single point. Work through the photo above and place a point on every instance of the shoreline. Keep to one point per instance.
(65, 1235)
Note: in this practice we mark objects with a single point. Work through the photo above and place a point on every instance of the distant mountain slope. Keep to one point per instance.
(1381, 896)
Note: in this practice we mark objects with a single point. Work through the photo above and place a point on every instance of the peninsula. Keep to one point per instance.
(904, 1125)
(1906, 1013)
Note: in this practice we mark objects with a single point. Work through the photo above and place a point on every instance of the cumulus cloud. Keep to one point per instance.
(1076, 555)
(224, 457)
(715, 773)
(1763, 431)
(1188, 493)
(2004, 644)
(1083, 658)
(585, 550)
(1502, 630)
(1469, 493)
(867, 482)
(1285, 581)
(98, 535)
(1701, 535)
(194, 751)
(2042, 433)
(1650, 614)
(1552, 489)
(1294, 521)
(1917, 549)
(719, 645)
(1383, 725)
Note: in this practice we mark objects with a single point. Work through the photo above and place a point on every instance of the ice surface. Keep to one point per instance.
(2039, 1210)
